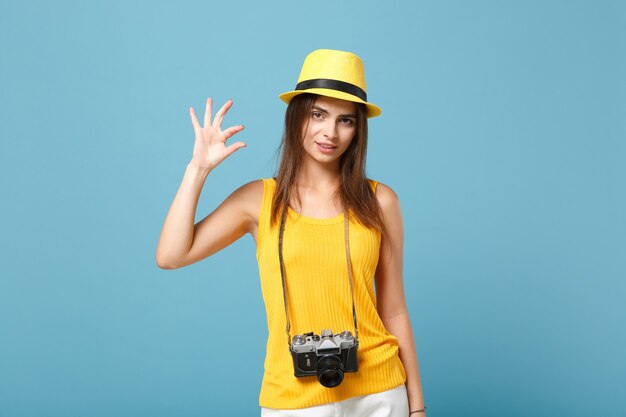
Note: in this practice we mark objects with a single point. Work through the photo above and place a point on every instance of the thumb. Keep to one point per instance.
(235, 146)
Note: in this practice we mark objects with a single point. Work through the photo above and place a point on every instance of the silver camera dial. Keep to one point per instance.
(346, 335)
(299, 340)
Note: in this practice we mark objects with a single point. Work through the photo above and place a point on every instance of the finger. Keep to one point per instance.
(235, 146)
(219, 116)
(232, 130)
(208, 112)
(194, 120)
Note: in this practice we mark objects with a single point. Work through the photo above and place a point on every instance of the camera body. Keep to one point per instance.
(327, 356)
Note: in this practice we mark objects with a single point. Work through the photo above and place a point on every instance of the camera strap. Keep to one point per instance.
(282, 270)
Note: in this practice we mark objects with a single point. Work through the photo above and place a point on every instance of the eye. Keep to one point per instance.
(346, 121)
(316, 115)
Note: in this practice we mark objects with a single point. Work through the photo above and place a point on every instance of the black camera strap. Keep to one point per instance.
(282, 270)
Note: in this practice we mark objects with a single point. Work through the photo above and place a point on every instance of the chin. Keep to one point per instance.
(327, 159)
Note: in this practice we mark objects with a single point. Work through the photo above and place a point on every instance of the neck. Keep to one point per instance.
(316, 175)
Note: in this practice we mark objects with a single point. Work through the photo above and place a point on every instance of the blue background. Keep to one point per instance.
(503, 132)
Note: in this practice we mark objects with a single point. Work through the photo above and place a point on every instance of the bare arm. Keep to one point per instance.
(178, 229)
(390, 298)
(181, 242)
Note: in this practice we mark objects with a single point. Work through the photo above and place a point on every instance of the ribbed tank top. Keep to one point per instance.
(318, 296)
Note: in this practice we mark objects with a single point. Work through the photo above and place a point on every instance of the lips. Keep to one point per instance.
(326, 145)
(325, 148)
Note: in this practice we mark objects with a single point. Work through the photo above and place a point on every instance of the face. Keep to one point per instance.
(330, 129)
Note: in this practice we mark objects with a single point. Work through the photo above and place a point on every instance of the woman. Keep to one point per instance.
(324, 233)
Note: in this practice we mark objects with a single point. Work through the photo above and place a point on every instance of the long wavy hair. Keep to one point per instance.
(354, 192)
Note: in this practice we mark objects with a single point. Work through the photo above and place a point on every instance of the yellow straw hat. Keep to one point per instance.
(336, 74)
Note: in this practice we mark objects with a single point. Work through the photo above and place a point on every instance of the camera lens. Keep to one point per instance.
(330, 371)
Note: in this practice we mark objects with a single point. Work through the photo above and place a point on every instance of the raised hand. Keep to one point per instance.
(210, 144)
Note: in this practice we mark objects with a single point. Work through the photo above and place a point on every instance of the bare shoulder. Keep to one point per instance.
(251, 189)
(392, 217)
(387, 197)
(250, 196)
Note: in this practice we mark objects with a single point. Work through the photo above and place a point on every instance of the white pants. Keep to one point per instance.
(390, 403)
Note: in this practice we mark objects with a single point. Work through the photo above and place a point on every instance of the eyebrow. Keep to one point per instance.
(326, 112)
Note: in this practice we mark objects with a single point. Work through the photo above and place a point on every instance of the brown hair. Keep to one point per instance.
(354, 193)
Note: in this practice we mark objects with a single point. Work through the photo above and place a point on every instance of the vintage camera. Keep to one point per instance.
(327, 356)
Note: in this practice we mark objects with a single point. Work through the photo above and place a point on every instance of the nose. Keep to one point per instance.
(330, 129)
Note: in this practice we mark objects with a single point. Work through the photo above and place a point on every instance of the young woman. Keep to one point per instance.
(324, 234)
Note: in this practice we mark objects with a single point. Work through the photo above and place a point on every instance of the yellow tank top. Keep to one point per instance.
(318, 296)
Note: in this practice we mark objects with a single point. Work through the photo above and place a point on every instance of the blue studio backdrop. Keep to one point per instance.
(503, 133)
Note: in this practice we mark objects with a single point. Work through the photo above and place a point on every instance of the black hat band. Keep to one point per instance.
(333, 85)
